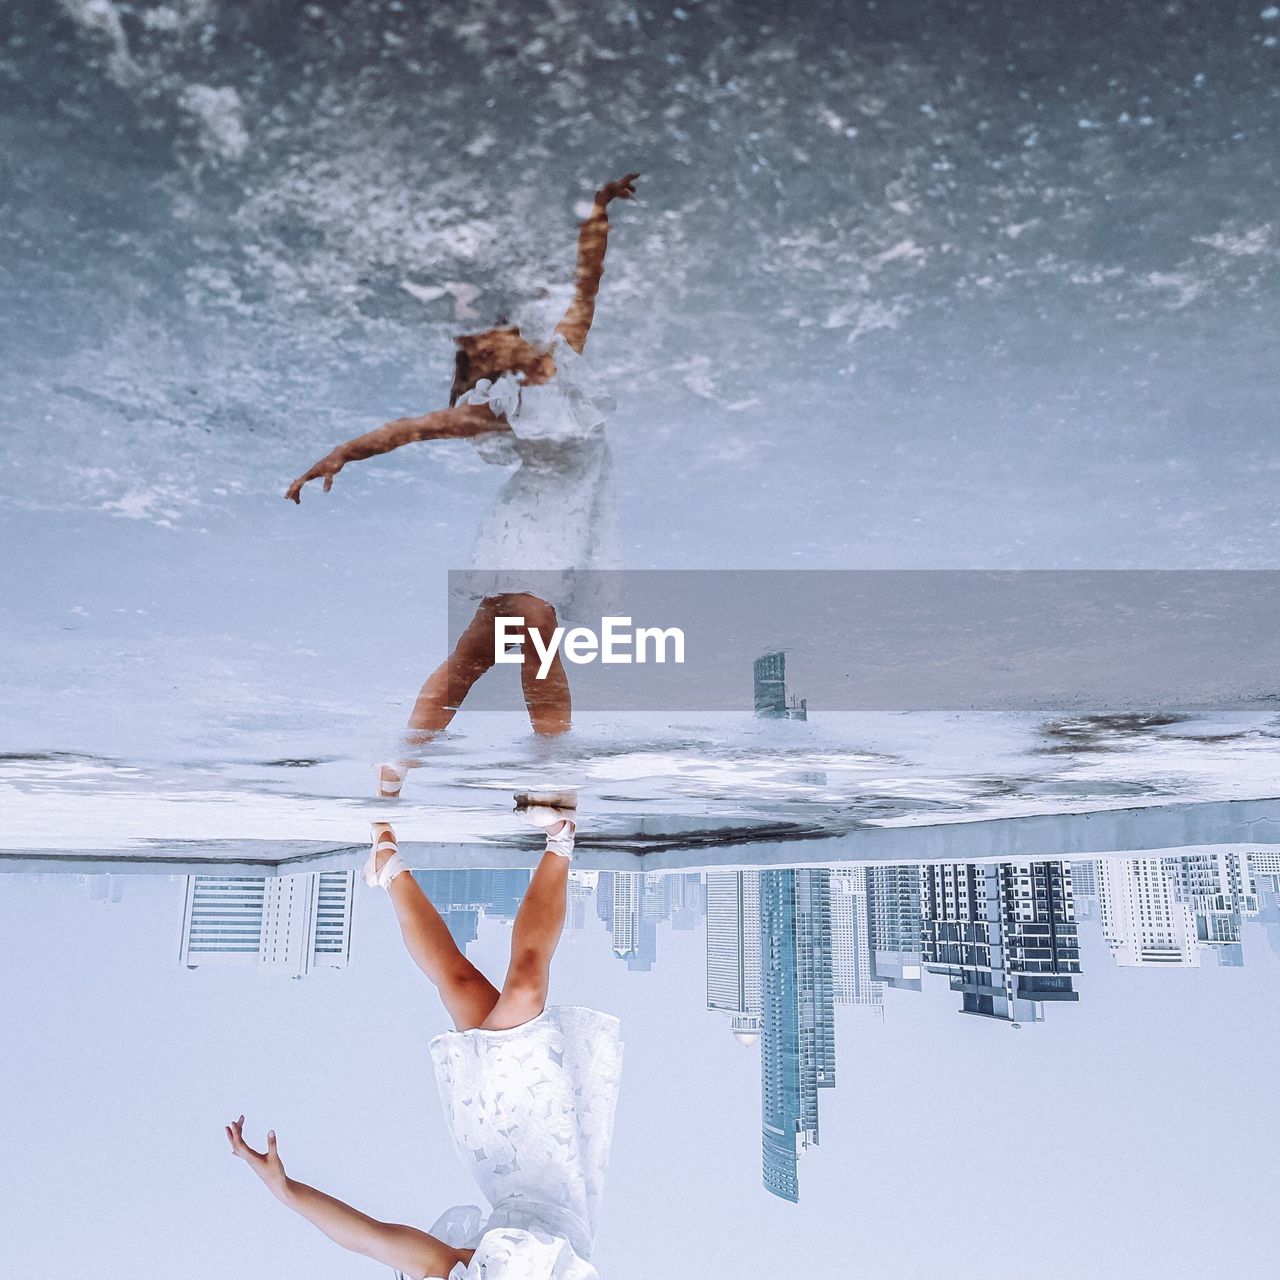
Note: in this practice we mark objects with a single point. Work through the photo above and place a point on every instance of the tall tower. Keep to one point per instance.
(687, 901)
(463, 895)
(331, 922)
(895, 926)
(1084, 878)
(733, 949)
(287, 941)
(797, 1055)
(773, 701)
(657, 896)
(222, 920)
(852, 968)
(1005, 934)
(770, 680)
(1084, 885)
(278, 924)
(625, 913)
(1143, 920)
(1220, 889)
(582, 891)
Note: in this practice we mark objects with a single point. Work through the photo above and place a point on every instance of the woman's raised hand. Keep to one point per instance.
(266, 1164)
(328, 467)
(620, 189)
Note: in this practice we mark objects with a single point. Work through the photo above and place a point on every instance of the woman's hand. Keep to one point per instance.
(405, 1249)
(621, 189)
(266, 1164)
(328, 467)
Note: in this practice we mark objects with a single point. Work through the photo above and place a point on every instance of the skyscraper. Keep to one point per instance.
(582, 892)
(632, 904)
(1084, 886)
(222, 920)
(1004, 933)
(1219, 888)
(797, 1052)
(657, 894)
(1143, 920)
(687, 901)
(852, 967)
(604, 899)
(773, 701)
(1084, 878)
(733, 949)
(280, 924)
(625, 889)
(331, 923)
(463, 895)
(895, 926)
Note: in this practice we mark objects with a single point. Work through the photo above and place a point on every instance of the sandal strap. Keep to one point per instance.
(380, 877)
(561, 842)
(393, 866)
(547, 815)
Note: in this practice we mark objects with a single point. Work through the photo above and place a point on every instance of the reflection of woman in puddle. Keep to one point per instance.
(531, 403)
(528, 1091)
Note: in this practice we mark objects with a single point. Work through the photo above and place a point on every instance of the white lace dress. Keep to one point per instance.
(531, 1112)
(557, 512)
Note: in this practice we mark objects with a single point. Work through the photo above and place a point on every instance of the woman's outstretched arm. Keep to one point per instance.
(444, 424)
(407, 1249)
(593, 241)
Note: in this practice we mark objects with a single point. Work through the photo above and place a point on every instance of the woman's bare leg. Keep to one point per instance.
(548, 700)
(451, 681)
(538, 926)
(466, 993)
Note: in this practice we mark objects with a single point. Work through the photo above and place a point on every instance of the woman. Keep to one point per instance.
(531, 403)
(529, 1093)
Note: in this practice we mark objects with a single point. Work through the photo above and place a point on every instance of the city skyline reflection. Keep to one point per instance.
(786, 947)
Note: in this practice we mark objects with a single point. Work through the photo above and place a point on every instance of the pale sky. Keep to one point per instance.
(949, 1146)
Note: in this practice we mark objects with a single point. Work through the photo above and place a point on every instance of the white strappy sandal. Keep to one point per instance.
(381, 877)
(390, 780)
(547, 816)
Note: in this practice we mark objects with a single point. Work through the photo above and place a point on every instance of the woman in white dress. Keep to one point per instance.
(529, 1094)
(535, 404)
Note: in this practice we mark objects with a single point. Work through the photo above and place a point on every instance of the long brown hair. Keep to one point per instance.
(469, 366)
